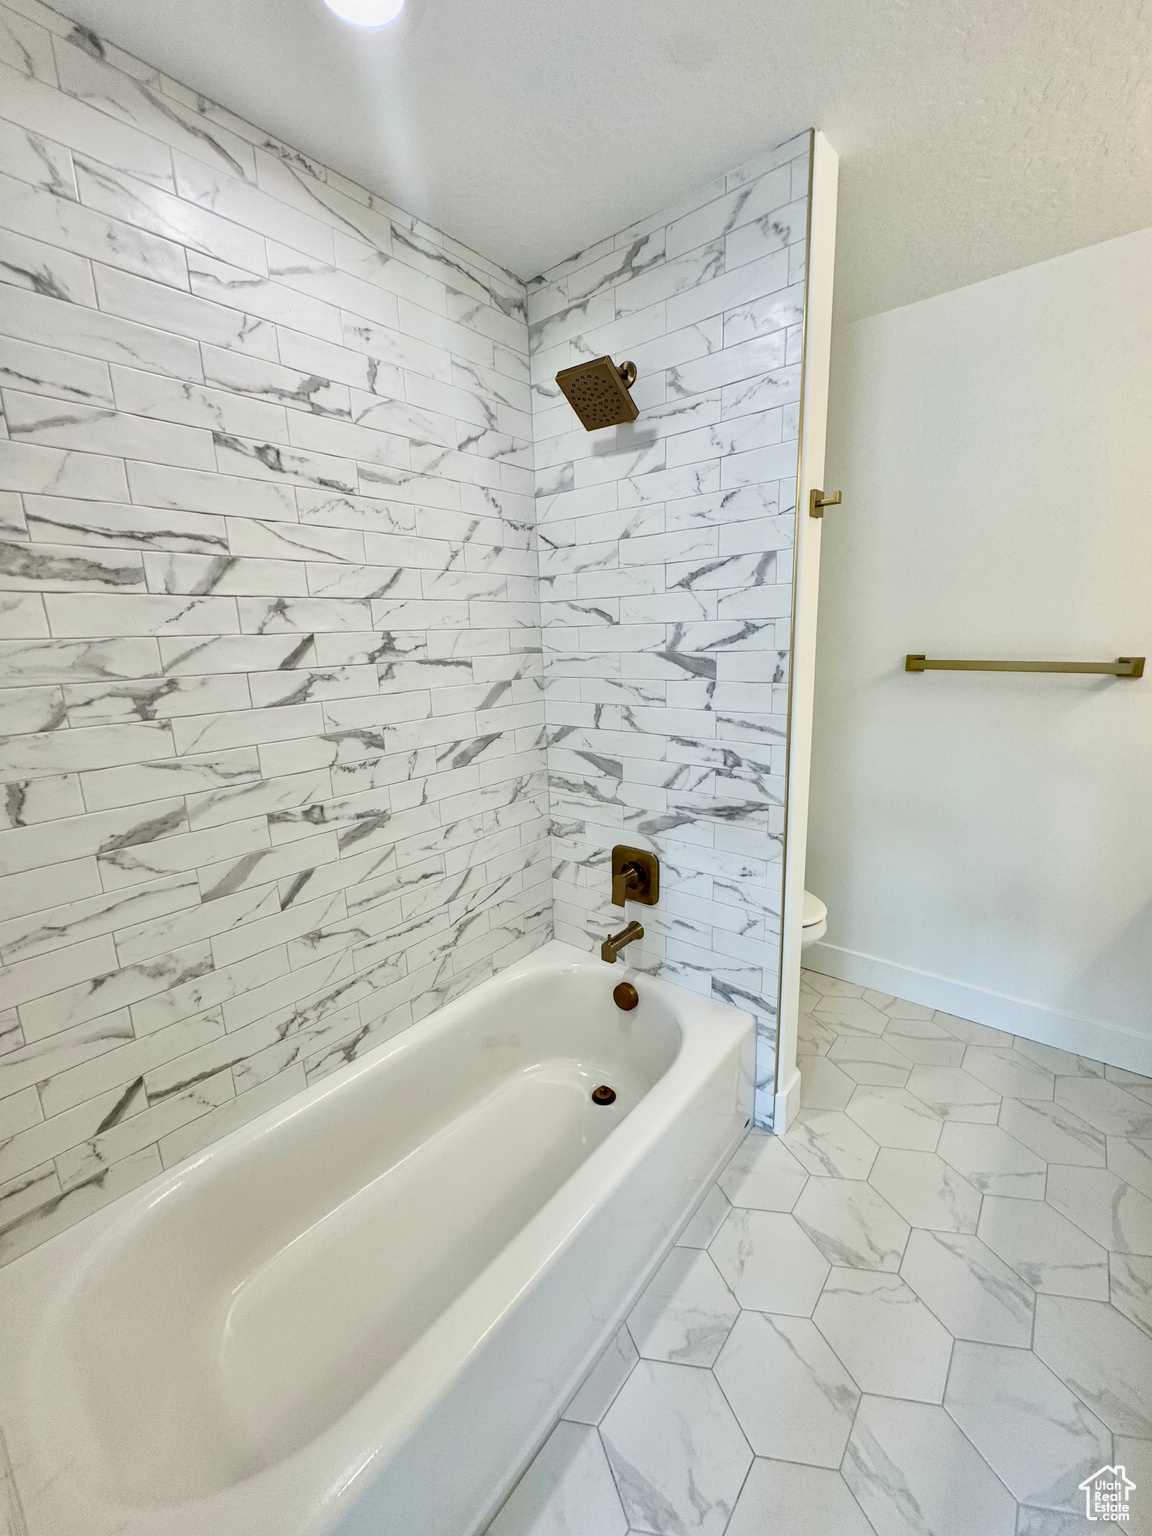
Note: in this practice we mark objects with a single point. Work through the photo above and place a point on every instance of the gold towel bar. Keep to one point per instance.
(1125, 666)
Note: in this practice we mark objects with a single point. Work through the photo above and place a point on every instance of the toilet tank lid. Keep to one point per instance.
(814, 910)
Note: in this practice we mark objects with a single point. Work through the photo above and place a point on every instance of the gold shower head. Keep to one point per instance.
(598, 392)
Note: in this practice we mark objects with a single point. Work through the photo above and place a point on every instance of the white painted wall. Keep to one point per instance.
(984, 843)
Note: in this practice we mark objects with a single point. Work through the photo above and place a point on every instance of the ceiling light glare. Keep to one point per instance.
(366, 13)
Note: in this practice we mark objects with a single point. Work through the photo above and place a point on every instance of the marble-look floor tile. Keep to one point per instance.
(1103, 1356)
(1131, 1158)
(941, 1051)
(786, 1499)
(604, 1380)
(883, 1000)
(769, 1263)
(1033, 1432)
(1128, 1079)
(925, 1190)
(823, 1085)
(884, 1334)
(920, 1026)
(914, 1473)
(1105, 1105)
(900, 1010)
(1104, 1206)
(1032, 1521)
(972, 1291)
(1044, 1248)
(893, 1117)
(793, 1398)
(831, 986)
(1059, 1063)
(951, 1091)
(992, 1161)
(870, 1059)
(676, 1451)
(877, 1074)
(851, 1224)
(1131, 1287)
(827, 1143)
(763, 1174)
(567, 1491)
(1053, 1132)
(686, 1311)
(974, 1388)
(1008, 1073)
(1135, 1456)
(813, 1038)
(975, 1114)
(706, 1220)
(972, 1033)
(854, 1011)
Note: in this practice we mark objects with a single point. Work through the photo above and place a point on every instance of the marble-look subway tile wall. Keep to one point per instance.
(666, 565)
(273, 772)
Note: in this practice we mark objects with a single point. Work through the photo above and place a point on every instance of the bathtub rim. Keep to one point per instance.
(313, 1479)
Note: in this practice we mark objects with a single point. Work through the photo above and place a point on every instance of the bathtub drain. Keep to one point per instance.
(603, 1094)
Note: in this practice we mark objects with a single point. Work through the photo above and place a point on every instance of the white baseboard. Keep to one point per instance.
(1101, 1041)
(787, 1104)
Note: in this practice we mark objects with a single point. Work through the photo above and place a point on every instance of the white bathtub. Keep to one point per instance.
(361, 1313)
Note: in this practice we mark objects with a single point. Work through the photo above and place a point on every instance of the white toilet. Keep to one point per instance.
(815, 920)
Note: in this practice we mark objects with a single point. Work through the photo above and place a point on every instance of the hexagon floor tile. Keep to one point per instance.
(927, 1308)
(567, 1488)
(925, 1190)
(972, 1291)
(827, 1143)
(1131, 1287)
(769, 1262)
(1106, 1105)
(1053, 1132)
(1045, 1249)
(824, 1085)
(992, 1160)
(893, 1117)
(676, 1451)
(1131, 1158)
(884, 1334)
(914, 1471)
(1103, 1205)
(852, 1224)
(1030, 1428)
(686, 1313)
(1104, 1357)
(764, 1175)
(808, 1414)
(787, 1496)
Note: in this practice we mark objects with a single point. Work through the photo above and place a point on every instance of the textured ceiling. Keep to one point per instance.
(975, 136)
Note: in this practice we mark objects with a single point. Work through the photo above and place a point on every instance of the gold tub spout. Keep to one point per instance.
(612, 946)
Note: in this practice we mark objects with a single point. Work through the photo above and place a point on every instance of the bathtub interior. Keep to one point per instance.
(255, 1299)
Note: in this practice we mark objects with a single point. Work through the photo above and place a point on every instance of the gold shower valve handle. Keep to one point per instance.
(817, 501)
(635, 876)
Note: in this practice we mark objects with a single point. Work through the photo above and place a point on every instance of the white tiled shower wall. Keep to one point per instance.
(270, 643)
(666, 567)
(270, 665)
